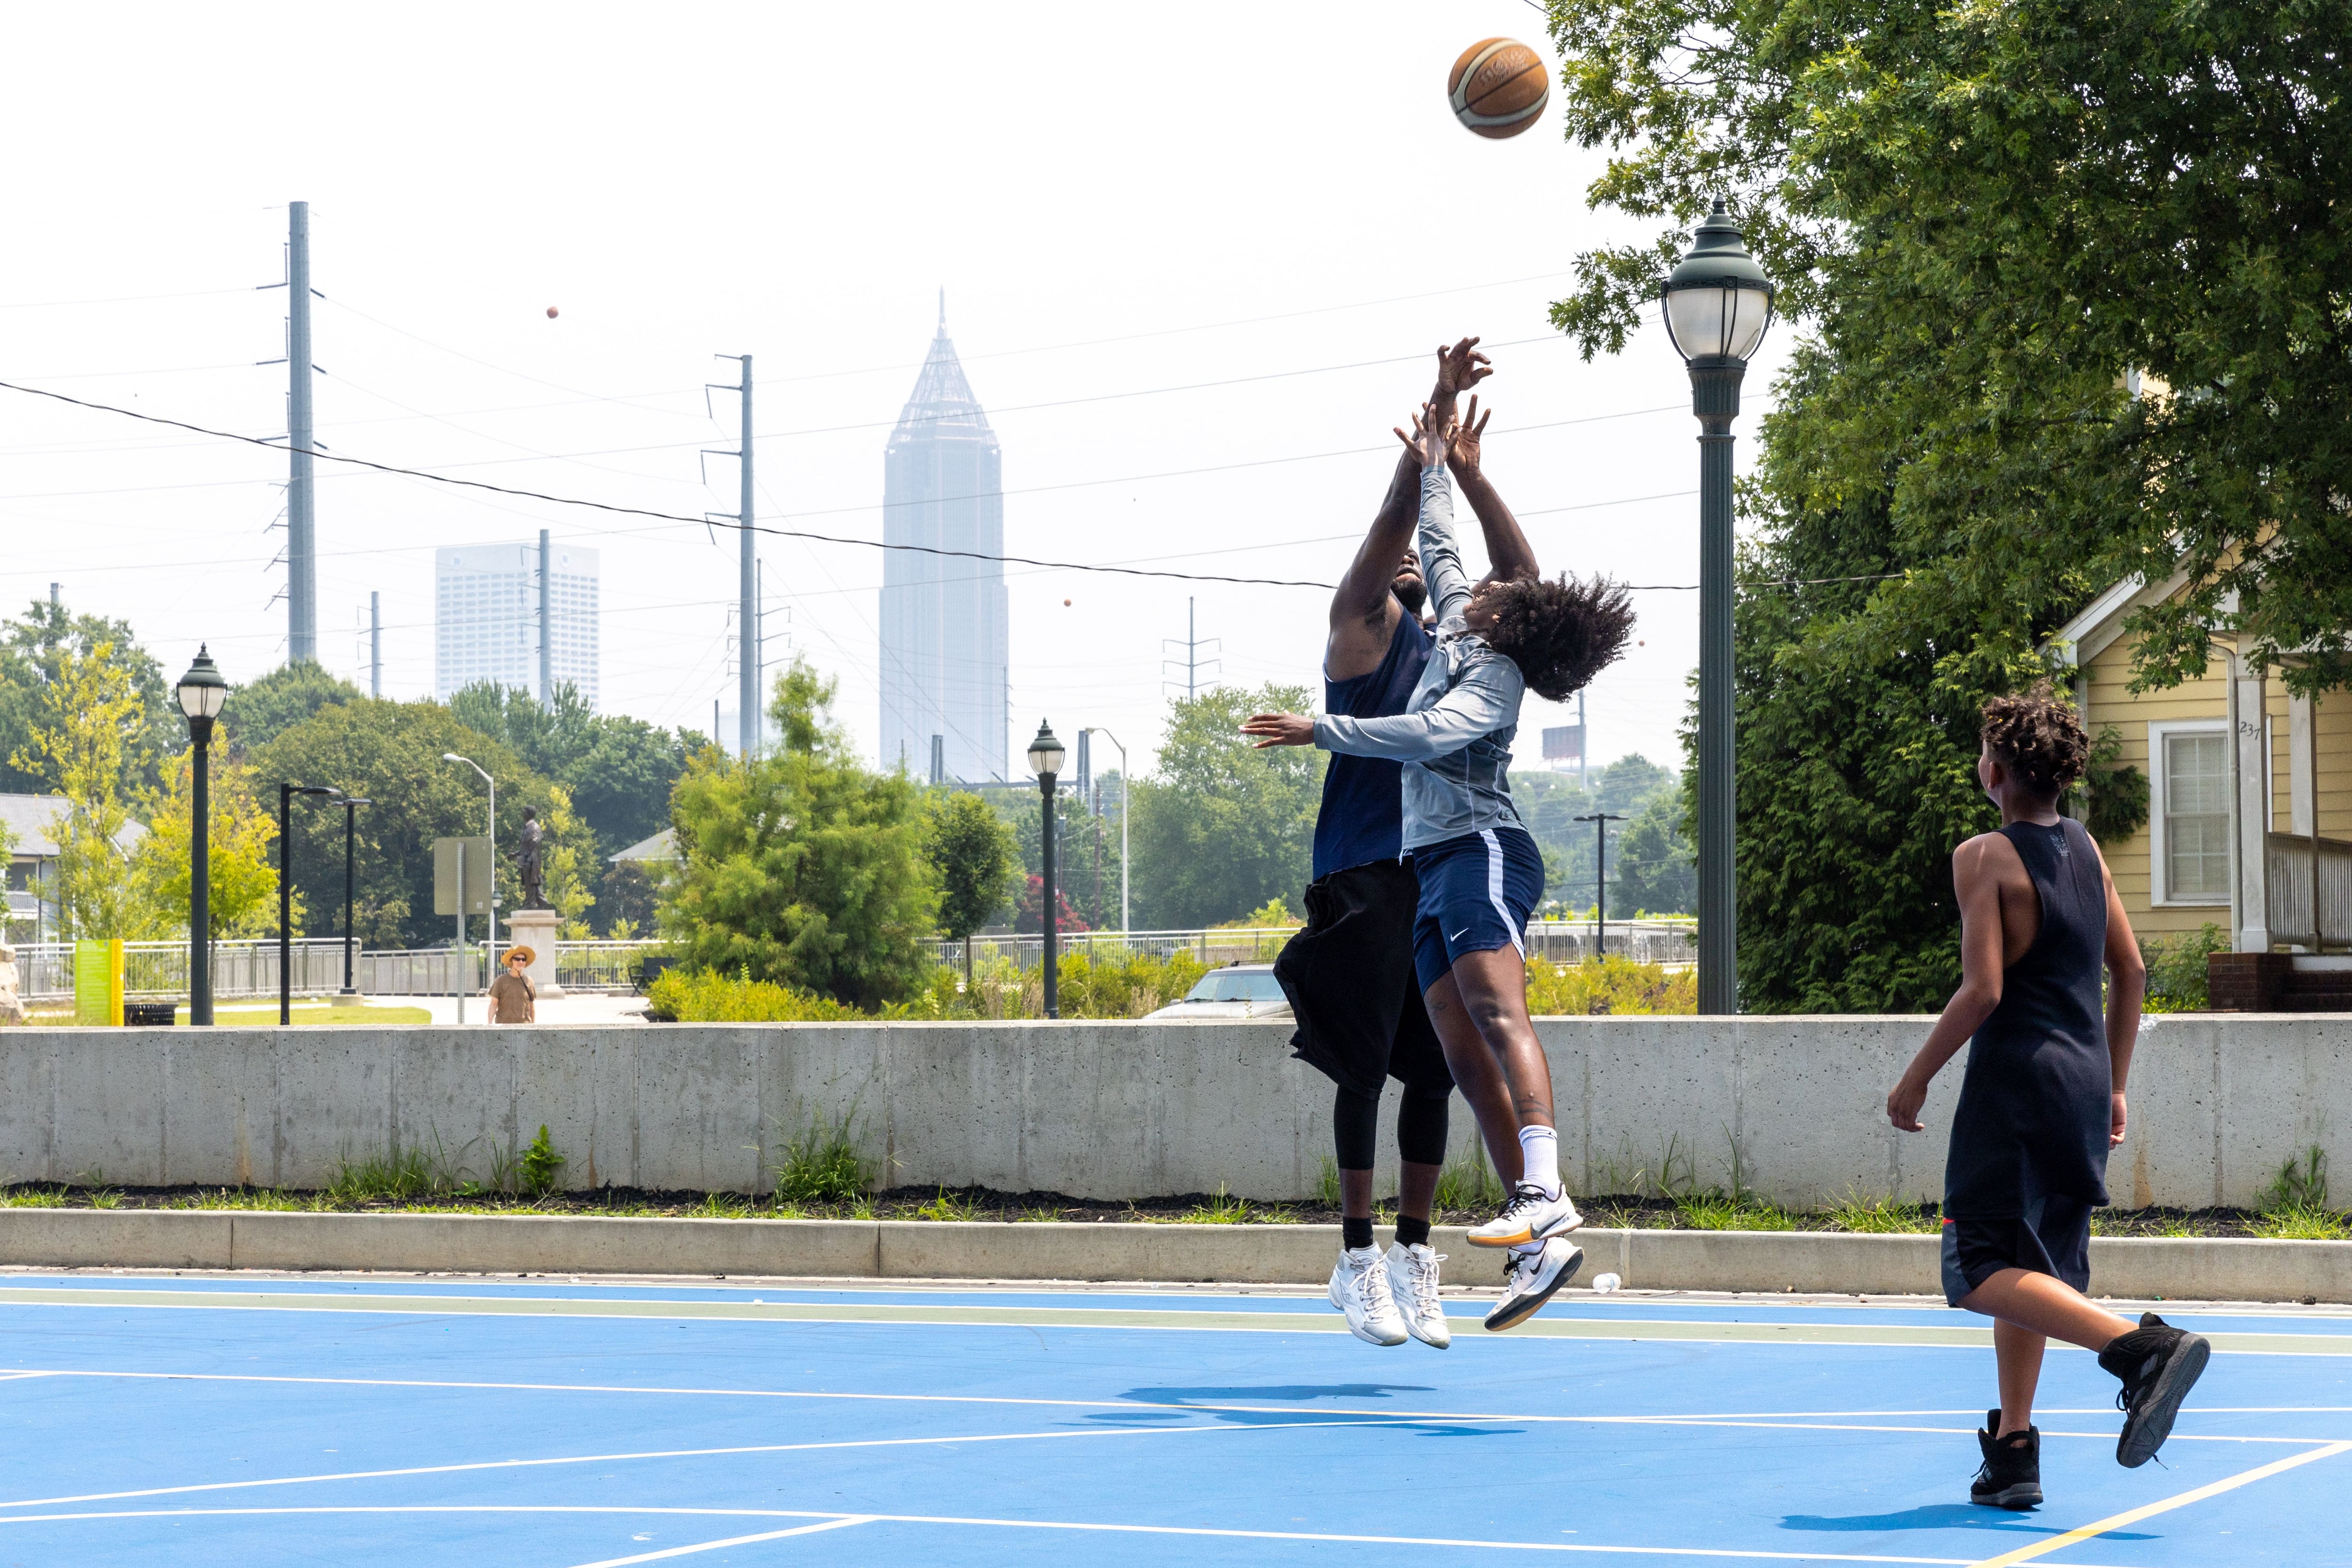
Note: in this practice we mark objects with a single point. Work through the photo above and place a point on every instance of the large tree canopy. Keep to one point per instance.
(2070, 289)
(1224, 827)
(1990, 215)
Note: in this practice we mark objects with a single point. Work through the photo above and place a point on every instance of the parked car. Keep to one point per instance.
(1237, 991)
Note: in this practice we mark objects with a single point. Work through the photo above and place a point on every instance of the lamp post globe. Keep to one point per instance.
(201, 691)
(1045, 754)
(1716, 304)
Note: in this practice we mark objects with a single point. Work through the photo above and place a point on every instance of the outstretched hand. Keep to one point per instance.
(1431, 434)
(1460, 368)
(1467, 435)
(1267, 730)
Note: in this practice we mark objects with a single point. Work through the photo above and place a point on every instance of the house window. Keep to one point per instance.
(2191, 815)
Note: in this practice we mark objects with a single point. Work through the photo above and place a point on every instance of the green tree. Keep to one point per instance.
(243, 872)
(970, 855)
(1651, 869)
(801, 867)
(261, 709)
(35, 648)
(391, 753)
(1995, 218)
(92, 713)
(1224, 826)
(619, 770)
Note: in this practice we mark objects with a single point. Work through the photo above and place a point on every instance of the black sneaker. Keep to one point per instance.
(2011, 1474)
(2159, 1364)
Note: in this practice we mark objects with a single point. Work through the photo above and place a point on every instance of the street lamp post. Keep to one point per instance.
(1716, 303)
(1045, 756)
(491, 966)
(285, 793)
(1124, 927)
(200, 692)
(352, 803)
(1601, 821)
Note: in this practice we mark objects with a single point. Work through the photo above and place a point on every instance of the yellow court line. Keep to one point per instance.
(2150, 1510)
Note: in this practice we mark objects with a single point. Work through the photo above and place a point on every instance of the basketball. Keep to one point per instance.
(1499, 87)
(550, 312)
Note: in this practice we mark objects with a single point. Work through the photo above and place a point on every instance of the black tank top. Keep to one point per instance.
(2032, 1116)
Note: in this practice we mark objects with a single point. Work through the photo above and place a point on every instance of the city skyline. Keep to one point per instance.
(486, 618)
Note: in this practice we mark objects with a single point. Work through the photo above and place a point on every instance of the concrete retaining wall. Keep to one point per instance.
(1808, 1262)
(1109, 1111)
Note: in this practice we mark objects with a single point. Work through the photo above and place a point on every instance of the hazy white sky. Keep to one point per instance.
(1121, 204)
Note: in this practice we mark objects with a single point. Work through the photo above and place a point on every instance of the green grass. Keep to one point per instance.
(1722, 1210)
(723, 1206)
(266, 1017)
(1221, 1208)
(947, 1206)
(1880, 1216)
(1328, 1187)
(821, 1164)
(34, 1198)
(1468, 1183)
(2304, 1225)
(1039, 1215)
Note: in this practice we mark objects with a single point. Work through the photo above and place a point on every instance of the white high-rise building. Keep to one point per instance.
(485, 617)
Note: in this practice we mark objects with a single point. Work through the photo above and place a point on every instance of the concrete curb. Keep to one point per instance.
(1810, 1262)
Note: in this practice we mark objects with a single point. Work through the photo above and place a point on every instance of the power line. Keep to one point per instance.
(678, 518)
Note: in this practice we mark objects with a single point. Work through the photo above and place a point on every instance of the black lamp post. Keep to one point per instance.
(200, 692)
(1045, 756)
(1601, 821)
(285, 793)
(1716, 303)
(351, 803)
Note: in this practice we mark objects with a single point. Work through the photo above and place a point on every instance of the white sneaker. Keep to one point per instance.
(1533, 1279)
(1529, 1217)
(1359, 1287)
(1412, 1281)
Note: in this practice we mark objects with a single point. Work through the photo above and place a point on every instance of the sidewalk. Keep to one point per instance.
(585, 1009)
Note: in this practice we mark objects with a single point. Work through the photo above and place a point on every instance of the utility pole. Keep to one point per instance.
(1192, 643)
(546, 637)
(301, 542)
(746, 613)
(375, 643)
(1583, 743)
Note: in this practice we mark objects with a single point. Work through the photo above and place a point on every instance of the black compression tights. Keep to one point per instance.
(1420, 1130)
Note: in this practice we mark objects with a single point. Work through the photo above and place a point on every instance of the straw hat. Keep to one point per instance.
(519, 950)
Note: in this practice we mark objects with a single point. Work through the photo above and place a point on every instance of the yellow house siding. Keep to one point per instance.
(2109, 703)
(2335, 756)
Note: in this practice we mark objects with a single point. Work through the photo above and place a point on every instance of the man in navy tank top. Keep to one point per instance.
(2042, 1101)
(1350, 973)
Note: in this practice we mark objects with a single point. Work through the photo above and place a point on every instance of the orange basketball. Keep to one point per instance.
(550, 312)
(1499, 87)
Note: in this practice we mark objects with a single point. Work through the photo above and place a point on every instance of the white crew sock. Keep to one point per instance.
(1540, 1146)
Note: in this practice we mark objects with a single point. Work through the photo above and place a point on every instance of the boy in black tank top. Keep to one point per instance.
(2043, 1099)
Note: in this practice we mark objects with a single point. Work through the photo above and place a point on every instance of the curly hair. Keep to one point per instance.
(2037, 737)
(1560, 634)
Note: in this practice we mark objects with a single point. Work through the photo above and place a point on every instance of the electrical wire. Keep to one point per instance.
(676, 518)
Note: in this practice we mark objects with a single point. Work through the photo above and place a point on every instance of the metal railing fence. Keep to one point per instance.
(157, 970)
(2307, 887)
(1562, 941)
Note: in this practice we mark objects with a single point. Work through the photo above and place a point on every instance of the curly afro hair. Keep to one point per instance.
(2037, 737)
(1560, 634)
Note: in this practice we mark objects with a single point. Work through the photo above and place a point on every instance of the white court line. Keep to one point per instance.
(836, 1521)
(1792, 1420)
(732, 1541)
(682, 1454)
(2148, 1510)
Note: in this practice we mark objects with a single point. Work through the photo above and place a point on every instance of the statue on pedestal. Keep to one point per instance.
(529, 863)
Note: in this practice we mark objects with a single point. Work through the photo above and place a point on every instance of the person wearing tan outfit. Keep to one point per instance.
(511, 998)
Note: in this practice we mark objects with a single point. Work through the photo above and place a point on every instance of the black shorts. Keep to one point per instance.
(1349, 979)
(2052, 1236)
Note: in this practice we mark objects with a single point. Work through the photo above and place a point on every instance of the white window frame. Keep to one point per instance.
(2159, 882)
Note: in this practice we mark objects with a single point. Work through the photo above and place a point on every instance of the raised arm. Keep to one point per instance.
(1365, 609)
(1509, 556)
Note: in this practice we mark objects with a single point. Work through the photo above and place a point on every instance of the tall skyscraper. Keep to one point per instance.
(486, 606)
(943, 616)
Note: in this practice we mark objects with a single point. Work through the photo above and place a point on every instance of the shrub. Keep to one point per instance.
(1612, 985)
(821, 1164)
(2175, 969)
(705, 996)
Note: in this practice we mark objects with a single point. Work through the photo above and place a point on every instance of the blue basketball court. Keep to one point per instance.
(203, 1419)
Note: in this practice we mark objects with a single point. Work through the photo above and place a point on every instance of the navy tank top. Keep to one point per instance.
(1362, 815)
(2034, 1111)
